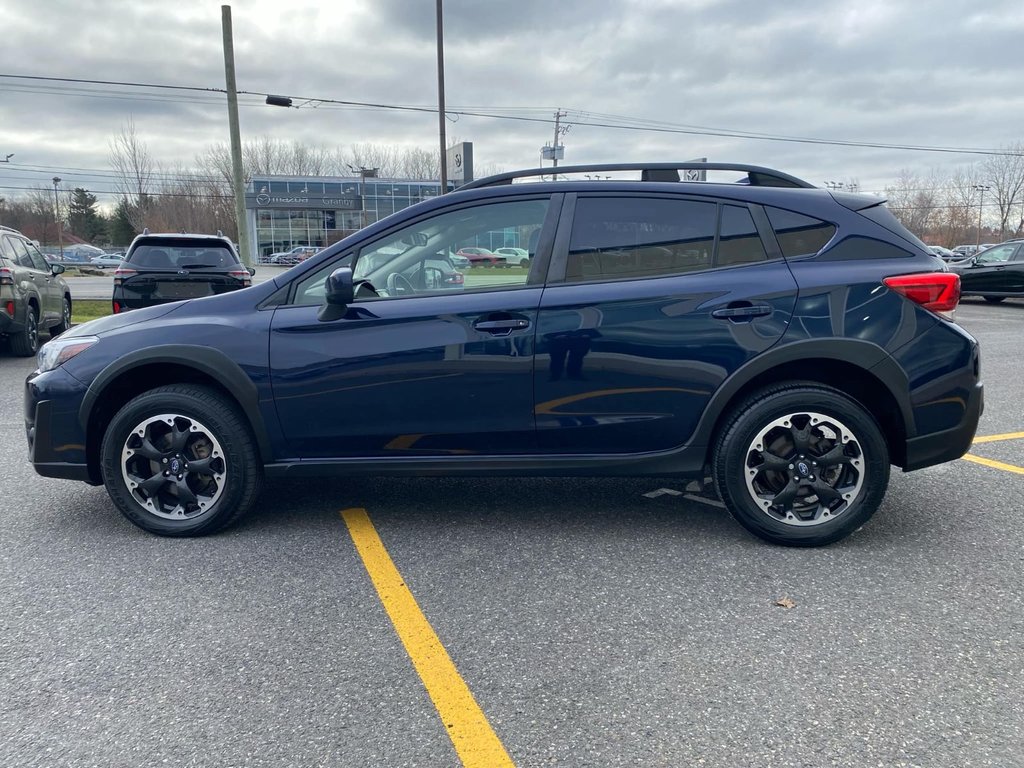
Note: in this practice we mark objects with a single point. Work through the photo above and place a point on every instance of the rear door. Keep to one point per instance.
(38, 273)
(653, 302)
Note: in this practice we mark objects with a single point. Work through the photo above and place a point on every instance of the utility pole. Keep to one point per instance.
(56, 208)
(981, 203)
(440, 98)
(559, 114)
(238, 183)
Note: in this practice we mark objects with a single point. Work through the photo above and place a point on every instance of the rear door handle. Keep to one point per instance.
(502, 327)
(743, 312)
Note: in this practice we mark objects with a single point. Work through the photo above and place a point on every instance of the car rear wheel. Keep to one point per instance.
(993, 299)
(180, 461)
(26, 343)
(801, 465)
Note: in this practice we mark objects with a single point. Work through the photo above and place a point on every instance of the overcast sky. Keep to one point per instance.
(936, 73)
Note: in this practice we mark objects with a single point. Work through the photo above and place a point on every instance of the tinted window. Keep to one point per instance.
(640, 237)
(799, 235)
(171, 253)
(738, 241)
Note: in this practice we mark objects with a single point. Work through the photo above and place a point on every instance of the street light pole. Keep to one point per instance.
(56, 208)
(981, 204)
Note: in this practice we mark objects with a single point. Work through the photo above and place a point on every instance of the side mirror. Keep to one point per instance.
(252, 271)
(56, 269)
(338, 294)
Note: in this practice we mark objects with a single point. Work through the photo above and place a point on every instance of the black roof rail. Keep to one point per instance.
(756, 175)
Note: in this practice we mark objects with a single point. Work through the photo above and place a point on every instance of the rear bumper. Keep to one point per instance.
(949, 444)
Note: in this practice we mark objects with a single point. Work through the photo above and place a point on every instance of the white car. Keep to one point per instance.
(514, 257)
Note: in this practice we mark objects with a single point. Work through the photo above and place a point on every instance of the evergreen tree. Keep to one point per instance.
(83, 219)
(120, 225)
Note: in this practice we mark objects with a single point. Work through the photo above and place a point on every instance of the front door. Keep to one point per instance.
(427, 360)
(992, 271)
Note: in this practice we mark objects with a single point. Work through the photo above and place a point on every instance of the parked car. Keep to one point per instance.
(790, 342)
(292, 257)
(457, 262)
(33, 295)
(944, 253)
(965, 251)
(106, 261)
(995, 274)
(161, 268)
(481, 257)
(514, 257)
(81, 252)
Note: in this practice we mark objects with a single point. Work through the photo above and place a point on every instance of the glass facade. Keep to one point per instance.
(285, 212)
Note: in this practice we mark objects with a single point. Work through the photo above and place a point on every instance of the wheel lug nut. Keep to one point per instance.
(791, 466)
(165, 460)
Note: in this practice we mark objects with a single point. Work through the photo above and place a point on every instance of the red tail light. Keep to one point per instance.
(9, 307)
(117, 308)
(937, 291)
(6, 276)
(122, 273)
(243, 275)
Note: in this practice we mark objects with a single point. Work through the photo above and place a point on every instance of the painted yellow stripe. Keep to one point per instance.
(994, 464)
(997, 438)
(474, 740)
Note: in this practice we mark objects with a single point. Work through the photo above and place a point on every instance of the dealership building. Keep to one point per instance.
(286, 211)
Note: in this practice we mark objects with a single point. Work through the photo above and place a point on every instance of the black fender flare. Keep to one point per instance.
(206, 360)
(869, 357)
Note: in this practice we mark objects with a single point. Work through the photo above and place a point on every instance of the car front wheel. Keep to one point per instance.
(993, 299)
(180, 460)
(801, 465)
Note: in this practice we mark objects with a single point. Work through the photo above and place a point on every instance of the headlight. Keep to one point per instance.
(59, 351)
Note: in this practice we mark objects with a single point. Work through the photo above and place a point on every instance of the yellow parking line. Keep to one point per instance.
(474, 740)
(997, 438)
(994, 464)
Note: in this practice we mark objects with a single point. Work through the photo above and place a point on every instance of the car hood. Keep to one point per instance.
(110, 323)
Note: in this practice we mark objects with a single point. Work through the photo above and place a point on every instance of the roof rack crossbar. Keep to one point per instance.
(757, 175)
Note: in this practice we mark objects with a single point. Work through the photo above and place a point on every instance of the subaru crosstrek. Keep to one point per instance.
(790, 342)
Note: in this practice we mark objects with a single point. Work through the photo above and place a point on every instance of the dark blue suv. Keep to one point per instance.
(788, 341)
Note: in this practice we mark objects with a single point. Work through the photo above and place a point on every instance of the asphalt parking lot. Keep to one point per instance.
(530, 622)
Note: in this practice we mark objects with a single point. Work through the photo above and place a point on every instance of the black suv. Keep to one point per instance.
(161, 268)
(33, 296)
(788, 341)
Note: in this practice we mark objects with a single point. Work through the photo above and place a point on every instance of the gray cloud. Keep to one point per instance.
(943, 73)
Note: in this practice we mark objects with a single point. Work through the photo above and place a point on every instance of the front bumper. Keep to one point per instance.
(56, 439)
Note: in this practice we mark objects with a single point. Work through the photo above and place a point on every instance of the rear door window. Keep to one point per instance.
(626, 237)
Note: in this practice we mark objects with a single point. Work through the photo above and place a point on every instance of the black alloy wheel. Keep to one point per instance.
(801, 465)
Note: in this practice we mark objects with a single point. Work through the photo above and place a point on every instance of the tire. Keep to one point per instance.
(26, 343)
(994, 299)
(65, 318)
(177, 428)
(768, 480)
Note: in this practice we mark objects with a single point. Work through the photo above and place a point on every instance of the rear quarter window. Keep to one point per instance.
(799, 235)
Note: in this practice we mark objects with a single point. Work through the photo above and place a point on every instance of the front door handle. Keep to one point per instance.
(502, 327)
(740, 312)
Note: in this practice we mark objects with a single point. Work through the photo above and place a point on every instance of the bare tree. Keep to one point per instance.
(1004, 174)
(131, 160)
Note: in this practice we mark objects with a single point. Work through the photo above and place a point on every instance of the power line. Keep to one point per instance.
(625, 123)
